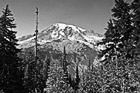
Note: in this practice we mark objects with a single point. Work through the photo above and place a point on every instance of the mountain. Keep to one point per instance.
(78, 42)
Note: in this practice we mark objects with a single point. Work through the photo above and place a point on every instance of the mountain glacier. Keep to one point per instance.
(62, 32)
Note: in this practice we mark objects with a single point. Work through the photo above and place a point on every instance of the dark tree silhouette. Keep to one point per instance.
(121, 70)
(10, 74)
(118, 34)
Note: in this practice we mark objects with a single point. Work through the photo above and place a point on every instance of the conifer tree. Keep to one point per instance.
(77, 80)
(119, 32)
(120, 41)
(10, 74)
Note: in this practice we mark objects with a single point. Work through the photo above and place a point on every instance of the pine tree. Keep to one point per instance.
(77, 79)
(10, 74)
(119, 33)
(121, 41)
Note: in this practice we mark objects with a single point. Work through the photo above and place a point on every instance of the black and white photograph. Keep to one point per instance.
(69, 46)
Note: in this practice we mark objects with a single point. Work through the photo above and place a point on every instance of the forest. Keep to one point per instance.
(117, 72)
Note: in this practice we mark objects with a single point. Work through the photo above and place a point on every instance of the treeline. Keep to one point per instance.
(117, 72)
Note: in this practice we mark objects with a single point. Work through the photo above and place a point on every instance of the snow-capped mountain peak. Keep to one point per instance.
(61, 32)
(63, 26)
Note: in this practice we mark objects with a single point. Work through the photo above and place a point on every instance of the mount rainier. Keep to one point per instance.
(77, 41)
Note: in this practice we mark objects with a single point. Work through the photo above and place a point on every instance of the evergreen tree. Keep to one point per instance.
(121, 41)
(118, 36)
(10, 74)
(77, 80)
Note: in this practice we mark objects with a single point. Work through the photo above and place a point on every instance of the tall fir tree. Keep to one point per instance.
(10, 75)
(77, 80)
(118, 34)
(121, 41)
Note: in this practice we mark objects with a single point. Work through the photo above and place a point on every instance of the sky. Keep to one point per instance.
(88, 14)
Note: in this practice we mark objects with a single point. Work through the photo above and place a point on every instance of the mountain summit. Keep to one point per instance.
(61, 32)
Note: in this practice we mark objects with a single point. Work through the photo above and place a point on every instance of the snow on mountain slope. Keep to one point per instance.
(25, 41)
(78, 42)
(61, 31)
